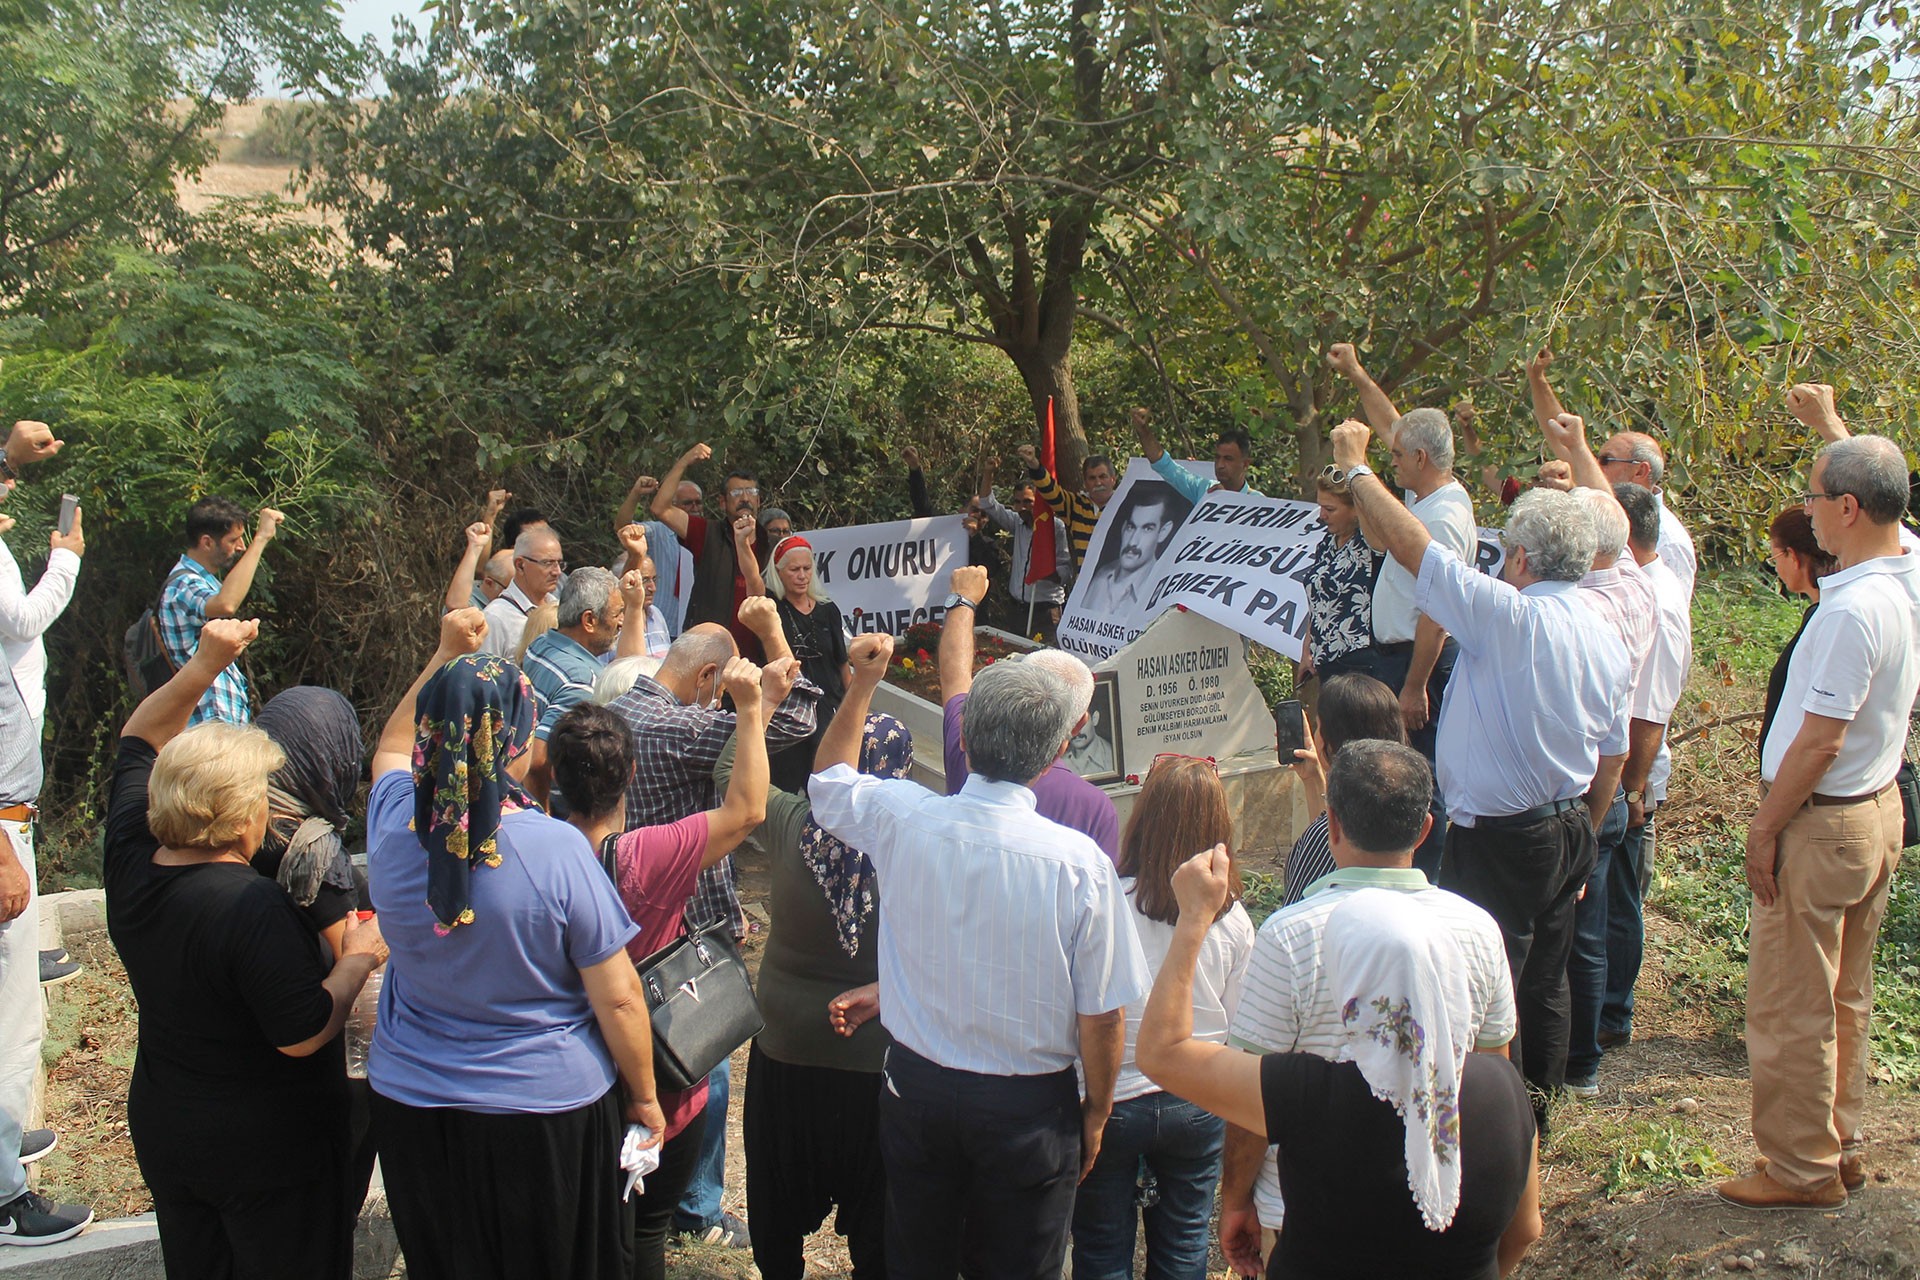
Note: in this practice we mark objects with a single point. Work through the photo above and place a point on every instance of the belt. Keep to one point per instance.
(19, 812)
(1393, 646)
(1815, 798)
(1525, 816)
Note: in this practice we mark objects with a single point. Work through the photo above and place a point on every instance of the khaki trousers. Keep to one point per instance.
(1810, 984)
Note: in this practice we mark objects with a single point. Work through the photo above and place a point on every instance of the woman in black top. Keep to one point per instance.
(309, 799)
(817, 634)
(238, 1104)
(1406, 1155)
(1801, 563)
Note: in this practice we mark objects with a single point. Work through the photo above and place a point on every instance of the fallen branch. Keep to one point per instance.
(1699, 729)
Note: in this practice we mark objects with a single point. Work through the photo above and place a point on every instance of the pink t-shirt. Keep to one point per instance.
(657, 867)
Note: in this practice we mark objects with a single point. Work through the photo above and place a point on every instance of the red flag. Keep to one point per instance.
(1041, 550)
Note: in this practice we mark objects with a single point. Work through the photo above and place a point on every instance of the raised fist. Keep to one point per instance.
(479, 536)
(462, 630)
(760, 615)
(1201, 883)
(1027, 454)
(1350, 444)
(633, 588)
(1555, 475)
(911, 456)
(1344, 359)
(497, 500)
(1538, 366)
(646, 487)
(868, 654)
(1566, 435)
(1812, 403)
(699, 453)
(633, 540)
(741, 679)
(1138, 418)
(776, 679)
(970, 580)
(31, 442)
(269, 523)
(224, 639)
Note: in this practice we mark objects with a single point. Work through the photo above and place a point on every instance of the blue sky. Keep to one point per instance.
(375, 17)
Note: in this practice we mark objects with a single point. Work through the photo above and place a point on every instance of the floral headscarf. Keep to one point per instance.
(474, 715)
(843, 872)
(1407, 1013)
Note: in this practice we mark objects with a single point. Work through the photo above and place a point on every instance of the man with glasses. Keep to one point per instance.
(1628, 457)
(1823, 845)
(1813, 404)
(726, 565)
(537, 570)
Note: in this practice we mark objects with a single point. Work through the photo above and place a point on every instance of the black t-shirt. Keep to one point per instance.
(330, 905)
(1343, 1173)
(1777, 679)
(819, 640)
(225, 970)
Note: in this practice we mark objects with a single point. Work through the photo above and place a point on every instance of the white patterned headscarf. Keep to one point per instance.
(1401, 982)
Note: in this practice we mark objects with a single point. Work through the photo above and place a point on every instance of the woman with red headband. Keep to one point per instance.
(817, 633)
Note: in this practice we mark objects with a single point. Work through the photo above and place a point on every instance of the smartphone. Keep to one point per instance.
(69, 507)
(1290, 724)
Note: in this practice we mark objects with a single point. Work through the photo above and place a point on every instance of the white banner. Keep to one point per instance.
(887, 577)
(1242, 561)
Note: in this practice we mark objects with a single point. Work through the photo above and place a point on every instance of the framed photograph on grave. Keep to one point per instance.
(1096, 750)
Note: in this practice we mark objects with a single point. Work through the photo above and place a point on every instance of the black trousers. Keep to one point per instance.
(812, 1138)
(508, 1196)
(981, 1170)
(653, 1209)
(219, 1227)
(1528, 878)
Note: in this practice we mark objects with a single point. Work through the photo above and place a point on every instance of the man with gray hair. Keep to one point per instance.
(1060, 793)
(1413, 655)
(1824, 843)
(537, 570)
(563, 663)
(1532, 738)
(1006, 958)
(1628, 457)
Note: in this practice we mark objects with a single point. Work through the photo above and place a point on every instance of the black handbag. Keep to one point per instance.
(700, 1000)
(1909, 783)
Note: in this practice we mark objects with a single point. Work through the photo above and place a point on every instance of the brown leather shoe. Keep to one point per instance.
(1758, 1190)
(1853, 1171)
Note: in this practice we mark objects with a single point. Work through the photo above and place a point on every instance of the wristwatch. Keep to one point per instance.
(955, 600)
(1635, 797)
(1355, 472)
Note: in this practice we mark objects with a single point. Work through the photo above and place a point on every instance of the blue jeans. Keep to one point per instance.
(1587, 962)
(1180, 1145)
(700, 1205)
(1626, 929)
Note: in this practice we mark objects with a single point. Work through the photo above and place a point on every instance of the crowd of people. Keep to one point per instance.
(999, 1024)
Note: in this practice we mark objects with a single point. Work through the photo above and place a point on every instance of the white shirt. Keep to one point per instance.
(1675, 547)
(1622, 595)
(1043, 591)
(1858, 661)
(1664, 678)
(25, 616)
(1285, 1005)
(1000, 926)
(1538, 695)
(1447, 513)
(507, 621)
(1217, 980)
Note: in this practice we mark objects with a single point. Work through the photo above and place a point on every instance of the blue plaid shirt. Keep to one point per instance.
(562, 673)
(183, 611)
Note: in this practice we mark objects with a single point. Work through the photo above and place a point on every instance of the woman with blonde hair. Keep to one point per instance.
(540, 620)
(817, 634)
(238, 1103)
(1160, 1156)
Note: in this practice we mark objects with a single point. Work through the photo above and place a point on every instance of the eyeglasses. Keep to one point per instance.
(744, 490)
(561, 565)
(1603, 460)
(1175, 755)
(1810, 497)
(649, 582)
(1335, 477)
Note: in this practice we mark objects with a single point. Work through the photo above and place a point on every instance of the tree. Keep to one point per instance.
(103, 107)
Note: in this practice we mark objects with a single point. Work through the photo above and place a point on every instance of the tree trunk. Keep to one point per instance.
(1046, 376)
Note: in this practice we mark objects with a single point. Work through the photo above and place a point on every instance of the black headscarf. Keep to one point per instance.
(308, 797)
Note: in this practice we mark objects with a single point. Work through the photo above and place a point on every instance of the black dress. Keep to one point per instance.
(244, 1147)
(819, 640)
(1777, 678)
(1343, 1173)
